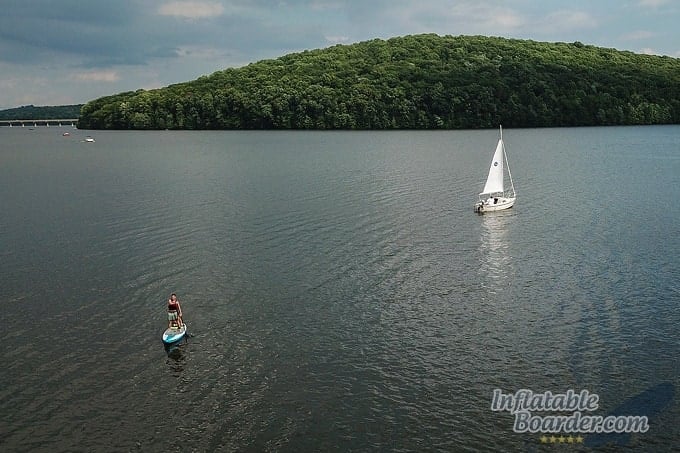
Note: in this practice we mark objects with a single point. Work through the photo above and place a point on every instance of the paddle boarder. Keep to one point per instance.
(174, 312)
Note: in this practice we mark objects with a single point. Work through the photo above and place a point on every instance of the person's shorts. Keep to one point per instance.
(172, 316)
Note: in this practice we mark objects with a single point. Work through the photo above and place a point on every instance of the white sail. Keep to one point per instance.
(493, 197)
(494, 182)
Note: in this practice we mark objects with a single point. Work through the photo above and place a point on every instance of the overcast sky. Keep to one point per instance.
(55, 52)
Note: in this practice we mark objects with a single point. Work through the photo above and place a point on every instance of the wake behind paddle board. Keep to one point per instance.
(174, 334)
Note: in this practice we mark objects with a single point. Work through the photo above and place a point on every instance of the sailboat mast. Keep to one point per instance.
(507, 164)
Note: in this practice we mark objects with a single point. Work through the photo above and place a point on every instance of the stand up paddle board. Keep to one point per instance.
(174, 334)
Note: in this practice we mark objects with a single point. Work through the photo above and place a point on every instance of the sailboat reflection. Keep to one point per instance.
(495, 265)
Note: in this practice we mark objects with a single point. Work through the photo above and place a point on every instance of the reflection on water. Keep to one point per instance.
(176, 356)
(494, 250)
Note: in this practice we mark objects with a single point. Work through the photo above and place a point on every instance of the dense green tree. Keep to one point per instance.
(41, 113)
(423, 81)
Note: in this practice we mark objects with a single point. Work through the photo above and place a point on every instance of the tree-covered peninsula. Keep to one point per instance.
(31, 112)
(413, 82)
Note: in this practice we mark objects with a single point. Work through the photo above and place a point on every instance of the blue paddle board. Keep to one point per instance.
(174, 334)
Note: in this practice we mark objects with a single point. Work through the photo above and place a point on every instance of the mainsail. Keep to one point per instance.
(494, 197)
(494, 182)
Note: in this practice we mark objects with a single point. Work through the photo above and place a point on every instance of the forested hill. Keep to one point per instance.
(421, 82)
(31, 112)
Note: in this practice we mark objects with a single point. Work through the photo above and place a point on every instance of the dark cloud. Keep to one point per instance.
(132, 32)
(35, 29)
(150, 43)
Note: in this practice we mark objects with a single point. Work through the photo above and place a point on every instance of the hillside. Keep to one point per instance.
(421, 82)
(41, 113)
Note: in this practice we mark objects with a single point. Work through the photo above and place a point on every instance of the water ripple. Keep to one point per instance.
(340, 292)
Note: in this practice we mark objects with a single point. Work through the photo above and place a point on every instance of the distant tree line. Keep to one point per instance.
(30, 112)
(413, 82)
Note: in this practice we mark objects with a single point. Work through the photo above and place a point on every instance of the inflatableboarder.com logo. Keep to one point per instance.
(567, 413)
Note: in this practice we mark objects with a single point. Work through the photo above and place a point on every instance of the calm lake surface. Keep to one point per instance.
(341, 293)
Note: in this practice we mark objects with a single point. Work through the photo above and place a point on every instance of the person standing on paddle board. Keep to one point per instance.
(174, 311)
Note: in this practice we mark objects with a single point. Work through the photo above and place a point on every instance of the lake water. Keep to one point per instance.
(341, 293)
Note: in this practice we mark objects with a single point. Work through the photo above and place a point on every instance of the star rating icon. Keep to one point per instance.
(561, 439)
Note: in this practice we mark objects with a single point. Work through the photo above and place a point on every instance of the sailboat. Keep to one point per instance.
(494, 197)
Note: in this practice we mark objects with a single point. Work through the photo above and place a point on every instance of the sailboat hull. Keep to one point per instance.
(500, 204)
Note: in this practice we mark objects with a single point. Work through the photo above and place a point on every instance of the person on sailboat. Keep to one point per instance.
(174, 312)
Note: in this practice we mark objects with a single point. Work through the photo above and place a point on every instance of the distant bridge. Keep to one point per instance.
(35, 123)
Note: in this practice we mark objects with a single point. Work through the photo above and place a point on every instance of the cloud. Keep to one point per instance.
(488, 17)
(565, 20)
(7, 84)
(200, 52)
(649, 51)
(380, 18)
(97, 47)
(494, 18)
(97, 76)
(480, 15)
(652, 3)
(337, 39)
(39, 31)
(322, 5)
(638, 35)
(191, 9)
